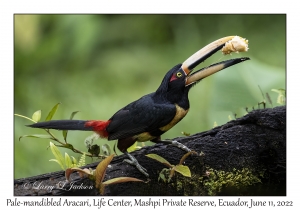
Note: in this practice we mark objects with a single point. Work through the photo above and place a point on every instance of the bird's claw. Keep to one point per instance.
(181, 146)
(135, 163)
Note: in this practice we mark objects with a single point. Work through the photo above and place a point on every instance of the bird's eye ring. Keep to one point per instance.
(179, 74)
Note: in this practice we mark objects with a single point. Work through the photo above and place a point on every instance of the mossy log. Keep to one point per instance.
(246, 156)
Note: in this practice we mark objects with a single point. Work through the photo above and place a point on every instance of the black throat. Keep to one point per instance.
(173, 93)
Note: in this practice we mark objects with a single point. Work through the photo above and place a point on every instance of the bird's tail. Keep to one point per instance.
(62, 125)
(81, 125)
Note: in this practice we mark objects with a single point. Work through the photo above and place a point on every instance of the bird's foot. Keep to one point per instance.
(181, 146)
(176, 144)
(133, 161)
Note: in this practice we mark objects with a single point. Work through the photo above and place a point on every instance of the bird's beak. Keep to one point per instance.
(202, 55)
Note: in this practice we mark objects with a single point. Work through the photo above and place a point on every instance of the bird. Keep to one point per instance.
(147, 118)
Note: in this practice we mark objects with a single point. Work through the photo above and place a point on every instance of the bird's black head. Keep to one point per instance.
(178, 81)
(173, 88)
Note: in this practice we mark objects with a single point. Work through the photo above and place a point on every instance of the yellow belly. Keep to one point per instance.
(146, 136)
(180, 113)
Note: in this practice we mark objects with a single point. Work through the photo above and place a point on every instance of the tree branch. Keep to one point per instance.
(246, 156)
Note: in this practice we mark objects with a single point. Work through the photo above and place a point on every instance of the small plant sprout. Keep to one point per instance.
(215, 124)
(134, 147)
(269, 99)
(63, 162)
(281, 96)
(170, 171)
(185, 133)
(37, 116)
(98, 175)
(81, 160)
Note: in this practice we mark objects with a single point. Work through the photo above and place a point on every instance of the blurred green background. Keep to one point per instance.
(96, 64)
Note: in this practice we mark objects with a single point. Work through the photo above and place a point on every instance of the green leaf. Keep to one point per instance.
(160, 159)
(61, 165)
(121, 180)
(81, 160)
(25, 117)
(229, 117)
(41, 136)
(162, 176)
(74, 161)
(68, 161)
(269, 99)
(73, 114)
(184, 170)
(52, 112)
(37, 115)
(215, 124)
(65, 132)
(185, 133)
(281, 95)
(132, 147)
(57, 154)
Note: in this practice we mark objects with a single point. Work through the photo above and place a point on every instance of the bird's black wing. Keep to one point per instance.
(143, 115)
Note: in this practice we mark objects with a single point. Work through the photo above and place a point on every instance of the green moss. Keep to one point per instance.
(214, 181)
(179, 185)
(236, 178)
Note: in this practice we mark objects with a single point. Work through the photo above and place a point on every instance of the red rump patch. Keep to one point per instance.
(99, 127)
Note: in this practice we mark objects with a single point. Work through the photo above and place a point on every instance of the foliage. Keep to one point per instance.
(65, 162)
(281, 96)
(99, 173)
(169, 172)
(185, 133)
(134, 147)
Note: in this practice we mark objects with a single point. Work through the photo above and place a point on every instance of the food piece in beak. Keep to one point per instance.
(226, 45)
(237, 44)
(204, 53)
